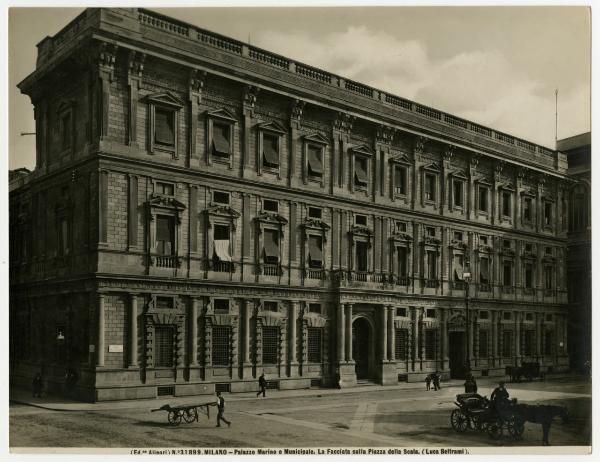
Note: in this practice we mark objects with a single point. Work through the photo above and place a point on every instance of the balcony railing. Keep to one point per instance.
(431, 283)
(508, 290)
(170, 261)
(485, 287)
(402, 280)
(549, 292)
(223, 266)
(271, 270)
(360, 276)
(459, 285)
(528, 290)
(314, 273)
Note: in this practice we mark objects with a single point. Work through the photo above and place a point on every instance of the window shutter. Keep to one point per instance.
(164, 132)
(315, 164)
(271, 150)
(271, 246)
(221, 142)
(315, 250)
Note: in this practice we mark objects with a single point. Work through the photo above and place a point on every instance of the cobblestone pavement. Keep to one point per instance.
(374, 417)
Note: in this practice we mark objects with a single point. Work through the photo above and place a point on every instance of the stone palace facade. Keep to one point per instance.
(202, 210)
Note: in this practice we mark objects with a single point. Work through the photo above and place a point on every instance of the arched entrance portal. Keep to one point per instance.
(457, 347)
(362, 350)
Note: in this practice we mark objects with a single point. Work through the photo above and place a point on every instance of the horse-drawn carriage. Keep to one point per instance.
(476, 412)
(527, 370)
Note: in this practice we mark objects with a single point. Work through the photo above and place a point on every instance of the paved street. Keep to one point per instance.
(374, 417)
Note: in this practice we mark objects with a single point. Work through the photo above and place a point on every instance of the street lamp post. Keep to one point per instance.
(467, 280)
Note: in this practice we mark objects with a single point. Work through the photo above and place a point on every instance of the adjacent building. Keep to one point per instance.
(202, 211)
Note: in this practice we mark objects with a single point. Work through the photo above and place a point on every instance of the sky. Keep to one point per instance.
(496, 66)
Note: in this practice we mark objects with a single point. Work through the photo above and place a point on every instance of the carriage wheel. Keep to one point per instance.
(174, 417)
(190, 415)
(494, 429)
(459, 421)
(515, 427)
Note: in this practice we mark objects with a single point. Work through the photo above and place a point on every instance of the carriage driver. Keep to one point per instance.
(499, 395)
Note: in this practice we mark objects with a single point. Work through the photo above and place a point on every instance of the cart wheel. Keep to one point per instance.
(459, 421)
(494, 429)
(515, 427)
(190, 415)
(174, 417)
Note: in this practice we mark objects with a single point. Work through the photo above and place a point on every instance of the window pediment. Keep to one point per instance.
(317, 138)
(157, 200)
(272, 126)
(165, 99)
(484, 182)
(505, 252)
(358, 230)
(548, 259)
(460, 174)
(400, 159)
(432, 167)
(177, 310)
(223, 211)
(314, 224)
(362, 149)
(485, 249)
(460, 245)
(507, 187)
(401, 237)
(529, 255)
(222, 114)
(432, 241)
(272, 218)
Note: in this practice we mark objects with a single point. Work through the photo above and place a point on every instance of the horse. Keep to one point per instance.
(541, 414)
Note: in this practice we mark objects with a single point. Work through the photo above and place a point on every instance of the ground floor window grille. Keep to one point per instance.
(548, 343)
(430, 344)
(402, 344)
(507, 344)
(315, 343)
(221, 344)
(270, 345)
(163, 346)
(528, 344)
(483, 343)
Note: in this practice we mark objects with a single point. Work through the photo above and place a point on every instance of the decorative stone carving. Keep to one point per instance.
(250, 95)
(344, 122)
(385, 134)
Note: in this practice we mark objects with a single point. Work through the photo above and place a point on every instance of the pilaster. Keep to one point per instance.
(195, 86)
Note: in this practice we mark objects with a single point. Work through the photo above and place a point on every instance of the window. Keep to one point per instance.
(548, 342)
(315, 344)
(360, 220)
(402, 261)
(315, 212)
(457, 193)
(400, 175)
(315, 161)
(400, 227)
(528, 342)
(506, 243)
(548, 250)
(271, 306)
(507, 344)
(401, 344)
(361, 169)
(315, 251)
(314, 308)
(430, 344)
(63, 236)
(506, 204)
(528, 276)
(362, 256)
(165, 235)
(484, 315)
(507, 273)
(164, 303)
(221, 235)
(483, 343)
(270, 345)
(164, 127)
(430, 313)
(528, 316)
(548, 273)
(221, 345)
(220, 197)
(547, 213)
(166, 189)
(221, 140)
(270, 206)
(431, 265)
(221, 305)
(483, 240)
(507, 316)
(401, 312)
(271, 246)
(528, 248)
(484, 270)
(548, 317)
(458, 267)
(527, 209)
(429, 187)
(458, 236)
(65, 138)
(163, 346)
(430, 231)
(482, 202)
(270, 150)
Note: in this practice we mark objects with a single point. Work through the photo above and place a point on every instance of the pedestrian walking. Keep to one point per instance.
(470, 384)
(428, 382)
(436, 381)
(37, 385)
(262, 385)
(220, 403)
